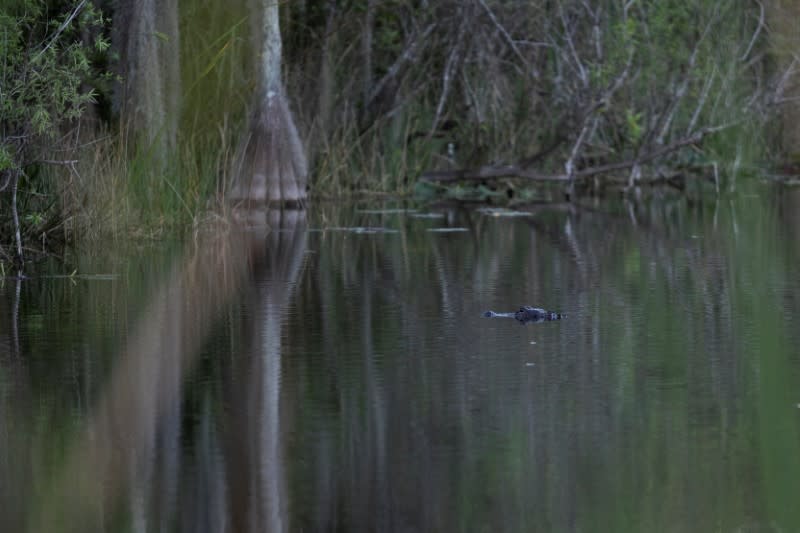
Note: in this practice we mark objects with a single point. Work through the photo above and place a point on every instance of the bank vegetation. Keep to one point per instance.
(130, 118)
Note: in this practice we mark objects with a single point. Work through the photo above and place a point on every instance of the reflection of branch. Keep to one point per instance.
(15, 317)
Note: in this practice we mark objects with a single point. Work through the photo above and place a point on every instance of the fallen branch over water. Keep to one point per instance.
(488, 171)
(520, 172)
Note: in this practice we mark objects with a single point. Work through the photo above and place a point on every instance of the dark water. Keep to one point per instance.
(334, 379)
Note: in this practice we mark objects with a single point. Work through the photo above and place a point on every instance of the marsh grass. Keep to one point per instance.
(119, 190)
(124, 187)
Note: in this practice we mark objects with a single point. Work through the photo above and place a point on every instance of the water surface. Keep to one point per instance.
(336, 373)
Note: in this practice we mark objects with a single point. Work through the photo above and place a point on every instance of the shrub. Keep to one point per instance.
(47, 52)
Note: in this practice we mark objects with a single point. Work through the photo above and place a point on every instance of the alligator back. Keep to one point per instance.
(528, 314)
(536, 314)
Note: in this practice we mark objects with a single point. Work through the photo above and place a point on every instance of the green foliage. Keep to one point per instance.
(47, 53)
(44, 67)
(6, 161)
(634, 121)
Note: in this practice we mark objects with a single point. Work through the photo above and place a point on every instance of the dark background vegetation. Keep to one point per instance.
(126, 118)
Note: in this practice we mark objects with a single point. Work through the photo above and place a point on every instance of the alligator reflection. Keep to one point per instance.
(131, 443)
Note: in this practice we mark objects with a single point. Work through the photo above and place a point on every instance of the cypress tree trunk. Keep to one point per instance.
(147, 39)
(169, 57)
(272, 161)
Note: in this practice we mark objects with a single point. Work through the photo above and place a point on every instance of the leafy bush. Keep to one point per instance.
(45, 66)
(46, 71)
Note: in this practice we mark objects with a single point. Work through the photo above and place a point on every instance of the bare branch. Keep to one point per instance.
(780, 88)
(487, 172)
(655, 154)
(60, 30)
(584, 77)
(412, 45)
(701, 101)
(680, 92)
(7, 174)
(453, 59)
(66, 162)
(587, 131)
(569, 166)
(560, 139)
(366, 42)
(635, 175)
(509, 41)
(755, 33)
(596, 35)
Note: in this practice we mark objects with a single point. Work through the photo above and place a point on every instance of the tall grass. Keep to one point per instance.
(386, 159)
(127, 187)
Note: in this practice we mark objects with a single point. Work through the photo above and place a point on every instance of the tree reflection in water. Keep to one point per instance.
(290, 379)
(130, 447)
(254, 433)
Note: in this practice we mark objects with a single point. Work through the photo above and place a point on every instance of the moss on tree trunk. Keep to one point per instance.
(147, 38)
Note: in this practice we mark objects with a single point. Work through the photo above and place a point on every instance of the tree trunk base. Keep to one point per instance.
(271, 164)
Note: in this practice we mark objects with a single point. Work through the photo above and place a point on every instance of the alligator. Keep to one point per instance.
(528, 314)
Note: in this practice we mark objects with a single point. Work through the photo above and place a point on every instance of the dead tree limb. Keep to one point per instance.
(666, 119)
(488, 172)
(518, 171)
(509, 40)
(413, 43)
(453, 61)
(591, 120)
